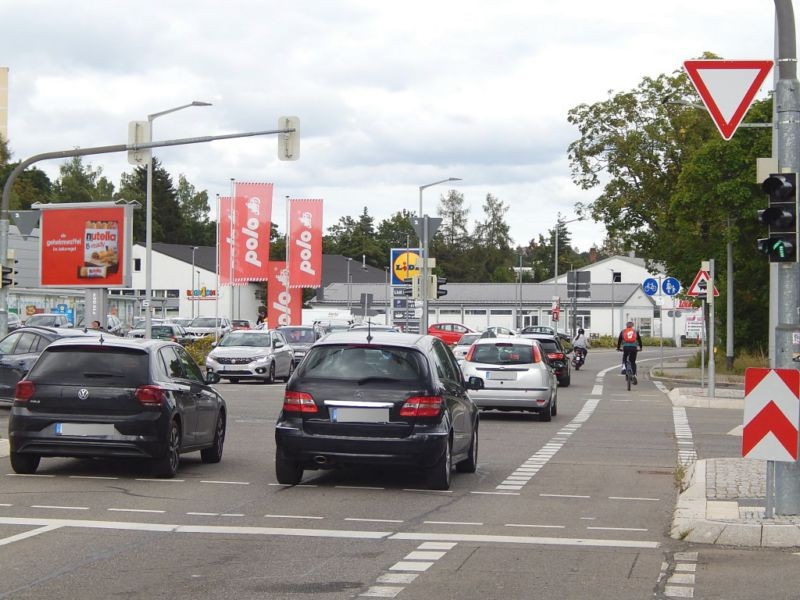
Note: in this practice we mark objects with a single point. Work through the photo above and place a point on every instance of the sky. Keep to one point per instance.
(390, 96)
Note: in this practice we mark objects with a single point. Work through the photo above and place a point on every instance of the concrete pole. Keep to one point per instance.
(712, 365)
(729, 306)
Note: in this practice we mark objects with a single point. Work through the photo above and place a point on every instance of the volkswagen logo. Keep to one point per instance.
(83, 393)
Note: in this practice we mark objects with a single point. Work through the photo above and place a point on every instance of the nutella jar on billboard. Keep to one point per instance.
(100, 249)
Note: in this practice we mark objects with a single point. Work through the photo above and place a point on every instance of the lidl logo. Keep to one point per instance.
(405, 265)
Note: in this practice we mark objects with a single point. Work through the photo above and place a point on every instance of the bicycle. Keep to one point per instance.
(628, 372)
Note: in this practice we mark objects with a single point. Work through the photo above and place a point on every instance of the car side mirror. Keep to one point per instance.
(474, 383)
(212, 377)
(277, 344)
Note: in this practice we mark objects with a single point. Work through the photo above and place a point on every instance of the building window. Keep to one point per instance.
(173, 293)
(502, 311)
(475, 311)
(449, 311)
(137, 264)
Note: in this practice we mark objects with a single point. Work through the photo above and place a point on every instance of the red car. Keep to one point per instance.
(449, 333)
(241, 324)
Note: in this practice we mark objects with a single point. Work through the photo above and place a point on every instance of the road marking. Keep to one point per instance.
(437, 546)
(617, 528)
(642, 499)
(357, 487)
(597, 390)
(564, 496)
(497, 493)
(202, 514)
(397, 578)
(227, 482)
(405, 565)
(535, 526)
(324, 533)
(293, 517)
(683, 432)
(428, 491)
(136, 510)
(424, 555)
(161, 480)
(27, 534)
(91, 477)
(47, 506)
(373, 520)
(450, 523)
(6, 505)
(32, 475)
(232, 515)
(525, 472)
(382, 591)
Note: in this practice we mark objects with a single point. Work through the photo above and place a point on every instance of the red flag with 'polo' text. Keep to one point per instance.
(305, 243)
(284, 305)
(252, 213)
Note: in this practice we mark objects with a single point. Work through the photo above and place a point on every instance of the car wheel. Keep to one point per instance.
(24, 464)
(470, 464)
(439, 474)
(565, 382)
(167, 466)
(271, 373)
(554, 409)
(213, 454)
(287, 471)
(233, 379)
(289, 374)
(546, 414)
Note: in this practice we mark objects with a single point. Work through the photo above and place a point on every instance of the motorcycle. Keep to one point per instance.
(578, 358)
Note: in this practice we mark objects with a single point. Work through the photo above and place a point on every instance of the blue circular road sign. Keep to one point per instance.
(670, 286)
(650, 286)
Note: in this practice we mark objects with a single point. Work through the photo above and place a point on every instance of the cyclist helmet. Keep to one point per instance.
(580, 331)
(629, 324)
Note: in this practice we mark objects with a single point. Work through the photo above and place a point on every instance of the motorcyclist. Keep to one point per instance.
(580, 344)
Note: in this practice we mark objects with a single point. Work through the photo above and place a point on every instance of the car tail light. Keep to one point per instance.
(422, 406)
(555, 356)
(24, 391)
(470, 353)
(299, 402)
(151, 395)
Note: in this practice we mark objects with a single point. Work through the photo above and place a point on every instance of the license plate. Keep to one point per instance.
(342, 414)
(85, 429)
(501, 375)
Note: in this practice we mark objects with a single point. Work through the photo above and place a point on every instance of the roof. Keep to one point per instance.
(386, 338)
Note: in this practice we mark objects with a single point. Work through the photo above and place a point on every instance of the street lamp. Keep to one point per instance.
(148, 271)
(423, 321)
(194, 249)
(613, 278)
(388, 299)
(555, 269)
(349, 283)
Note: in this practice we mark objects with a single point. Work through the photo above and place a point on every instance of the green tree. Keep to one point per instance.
(79, 182)
(197, 228)
(493, 254)
(32, 185)
(167, 221)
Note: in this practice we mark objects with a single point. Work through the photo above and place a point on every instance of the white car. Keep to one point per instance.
(464, 344)
(213, 326)
(260, 354)
(48, 320)
(516, 374)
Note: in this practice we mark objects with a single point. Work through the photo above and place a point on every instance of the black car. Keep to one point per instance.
(116, 398)
(20, 349)
(300, 339)
(381, 398)
(556, 354)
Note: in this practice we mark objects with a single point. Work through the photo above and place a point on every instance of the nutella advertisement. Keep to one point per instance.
(85, 245)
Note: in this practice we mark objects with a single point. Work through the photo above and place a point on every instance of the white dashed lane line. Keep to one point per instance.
(408, 569)
(683, 433)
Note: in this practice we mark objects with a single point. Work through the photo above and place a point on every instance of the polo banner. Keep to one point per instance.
(250, 230)
(224, 242)
(284, 305)
(305, 243)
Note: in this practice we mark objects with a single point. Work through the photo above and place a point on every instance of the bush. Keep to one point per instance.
(741, 362)
(199, 349)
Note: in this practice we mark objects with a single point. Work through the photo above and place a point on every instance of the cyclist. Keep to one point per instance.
(580, 343)
(630, 343)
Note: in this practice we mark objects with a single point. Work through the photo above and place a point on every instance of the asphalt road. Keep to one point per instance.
(576, 508)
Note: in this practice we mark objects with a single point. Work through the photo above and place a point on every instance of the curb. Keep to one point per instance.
(703, 521)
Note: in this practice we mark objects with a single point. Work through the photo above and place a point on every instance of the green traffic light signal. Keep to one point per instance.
(780, 217)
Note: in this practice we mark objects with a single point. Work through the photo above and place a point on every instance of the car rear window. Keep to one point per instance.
(468, 338)
(360, 362)
(503, 354)
(549, 346)
(68, 365)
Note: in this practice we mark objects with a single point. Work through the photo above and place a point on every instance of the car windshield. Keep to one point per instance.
(205, 322)
(503, 354)
(45, 320)
(468, 339)
(162, 332)
(68, 365)
(363, 362)
(258, 340)
(298, 335)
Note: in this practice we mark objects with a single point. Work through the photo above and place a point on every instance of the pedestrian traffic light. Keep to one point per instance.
(780, 217)
(440, 283)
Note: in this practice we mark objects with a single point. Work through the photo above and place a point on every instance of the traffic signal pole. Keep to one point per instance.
(787, 99)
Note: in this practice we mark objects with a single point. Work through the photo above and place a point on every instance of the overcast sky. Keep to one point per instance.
(391, 96)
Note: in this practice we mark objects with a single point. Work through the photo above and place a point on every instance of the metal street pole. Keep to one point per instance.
(16, 171)
(388, 298)
(349, 284)
(712, 365)
(148, 256)
(423, 249)
(194, 249)
(787, 99)
(555, 266)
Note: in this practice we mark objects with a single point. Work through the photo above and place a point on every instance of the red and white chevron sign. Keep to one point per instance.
(771, 414)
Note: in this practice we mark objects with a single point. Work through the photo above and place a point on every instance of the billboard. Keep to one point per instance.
(86, 244)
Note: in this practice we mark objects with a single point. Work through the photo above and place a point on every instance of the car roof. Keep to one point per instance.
(386, 338)
(111, 342)
(57, 331)
(505, 340)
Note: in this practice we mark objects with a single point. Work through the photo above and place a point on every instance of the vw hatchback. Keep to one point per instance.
(380, 398)
(115, 398)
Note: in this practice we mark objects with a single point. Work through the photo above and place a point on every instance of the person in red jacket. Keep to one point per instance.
(629, 343)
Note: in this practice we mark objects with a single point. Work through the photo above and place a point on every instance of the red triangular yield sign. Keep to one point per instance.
(727, 88)
(696, 289)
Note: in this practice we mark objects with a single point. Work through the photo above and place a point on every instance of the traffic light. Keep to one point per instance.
(780, 217)
(440, 283)
(8, 276)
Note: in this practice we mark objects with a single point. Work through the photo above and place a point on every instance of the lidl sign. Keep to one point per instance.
(405, 263)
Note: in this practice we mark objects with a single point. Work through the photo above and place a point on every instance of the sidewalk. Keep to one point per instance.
(724, 500)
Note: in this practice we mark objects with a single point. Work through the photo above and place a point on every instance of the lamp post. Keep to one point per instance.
(148, 270)
(555, 266)
(520, 324)
(349, 284)
(194, 249)
(612, 301)
(423, 243)
(388, 299)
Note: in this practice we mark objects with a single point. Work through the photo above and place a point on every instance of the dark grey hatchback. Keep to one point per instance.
(379, 398)
(115, 398)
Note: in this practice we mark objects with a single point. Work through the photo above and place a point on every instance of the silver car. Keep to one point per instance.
(252, 354)
(516, 375)
(464, 344)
